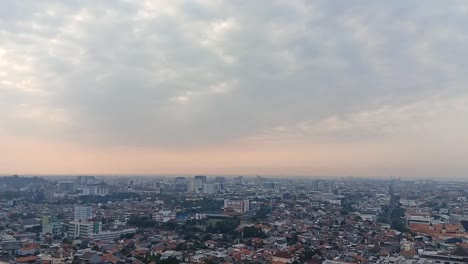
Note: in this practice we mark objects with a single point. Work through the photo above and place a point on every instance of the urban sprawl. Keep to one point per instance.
(208, 219)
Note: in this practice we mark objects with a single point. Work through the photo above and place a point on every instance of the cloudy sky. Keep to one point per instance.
(363, 88)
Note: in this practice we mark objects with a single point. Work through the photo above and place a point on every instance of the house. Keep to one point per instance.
(28, 249)
(211, 244)
(28, 259)
(282, 257)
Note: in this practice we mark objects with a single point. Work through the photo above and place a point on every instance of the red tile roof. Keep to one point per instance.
(26, 259)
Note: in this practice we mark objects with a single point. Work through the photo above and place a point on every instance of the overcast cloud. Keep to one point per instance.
(185, 74)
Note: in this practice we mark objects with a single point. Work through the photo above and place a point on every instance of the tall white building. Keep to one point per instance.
(83, 213)
(198, 185)
(208, 188)
(190, 186)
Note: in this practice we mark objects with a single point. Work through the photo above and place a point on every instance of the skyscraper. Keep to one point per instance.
(201, 178)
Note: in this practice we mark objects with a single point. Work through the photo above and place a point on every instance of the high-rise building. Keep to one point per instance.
(220, 179)
(83, 213)
(219, 186)
(328, 187)
(208, 188)
(323, 186)
(85, 180)
(258, 181)
(190, 186)
(198, 183)
(201, 178)
(239, 180)
(179, 180)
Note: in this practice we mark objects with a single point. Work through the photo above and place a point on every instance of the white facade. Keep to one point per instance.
(111, 235)
(83, 229)
(240, 206)
(164, 216)
(94, 190)
(368, 217)
(83, 212)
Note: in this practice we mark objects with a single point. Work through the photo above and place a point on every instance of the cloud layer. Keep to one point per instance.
(180, 75)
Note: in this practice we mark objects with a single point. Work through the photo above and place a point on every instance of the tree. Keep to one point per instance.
(310, 253)
(141, 221)
(67, 241)
(225, 226)
(251, 231)
(262, 213)
(293, 240)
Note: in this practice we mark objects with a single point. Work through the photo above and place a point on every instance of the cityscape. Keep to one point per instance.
(233, 132)
(217, 219)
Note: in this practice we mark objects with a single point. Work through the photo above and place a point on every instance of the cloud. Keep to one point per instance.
(182, 74)
(431, 119)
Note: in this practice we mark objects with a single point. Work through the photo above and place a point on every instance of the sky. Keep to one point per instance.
(311, 88)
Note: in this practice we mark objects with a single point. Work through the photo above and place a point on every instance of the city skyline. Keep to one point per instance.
(311, 88)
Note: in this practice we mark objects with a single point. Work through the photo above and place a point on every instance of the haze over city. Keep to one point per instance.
(328, 88)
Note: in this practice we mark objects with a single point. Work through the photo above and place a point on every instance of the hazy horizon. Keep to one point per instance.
(374, 89)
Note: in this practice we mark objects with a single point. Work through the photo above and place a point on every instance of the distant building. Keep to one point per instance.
(271, 186)
(240, 206)
(239, 180)
(220, 179)
(323, 186)
(85, 180)
(179, 179)
(66, 186)
(180, 185)
(208, 188)
(219, 186)
(190, 186)
(83, 213)
(201, 178)
(101, 190)
(258, 180)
